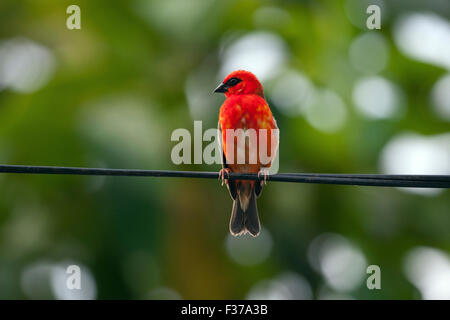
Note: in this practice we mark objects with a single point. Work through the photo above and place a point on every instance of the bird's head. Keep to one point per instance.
(240, 82)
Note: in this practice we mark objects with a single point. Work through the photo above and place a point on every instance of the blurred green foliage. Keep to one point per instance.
(119, 88)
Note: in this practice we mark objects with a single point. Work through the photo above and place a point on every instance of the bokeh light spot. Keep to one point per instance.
(412, 153)
(247, 250)
(328, 113)
(441, 97)
(369, 52)
(287, 286)
(376, 98)
(429, 270)
(293, 93)
(424, 37)
(341, 262)
(262, 53)
(25, 66)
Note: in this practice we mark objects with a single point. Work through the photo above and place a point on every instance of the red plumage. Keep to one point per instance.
(245, 108)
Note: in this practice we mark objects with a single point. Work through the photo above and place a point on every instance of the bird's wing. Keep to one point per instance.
(230, 185)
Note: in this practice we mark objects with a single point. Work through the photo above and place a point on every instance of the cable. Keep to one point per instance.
(413, 181)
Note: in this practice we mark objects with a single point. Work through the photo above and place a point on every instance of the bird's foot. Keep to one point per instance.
(264, 172)
(222, 173)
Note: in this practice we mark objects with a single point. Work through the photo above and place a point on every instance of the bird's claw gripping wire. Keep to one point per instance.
(222, 173)
(265, 173)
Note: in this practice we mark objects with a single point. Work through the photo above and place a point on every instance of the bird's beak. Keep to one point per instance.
(222, 88)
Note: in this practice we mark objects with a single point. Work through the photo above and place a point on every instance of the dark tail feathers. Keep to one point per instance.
(248, 221)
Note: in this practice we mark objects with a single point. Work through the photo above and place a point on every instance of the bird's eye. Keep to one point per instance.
(233, 82)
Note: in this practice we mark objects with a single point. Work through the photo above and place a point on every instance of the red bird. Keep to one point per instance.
(245, 108)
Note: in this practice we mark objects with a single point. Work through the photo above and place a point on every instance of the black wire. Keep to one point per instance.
(413, 181)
